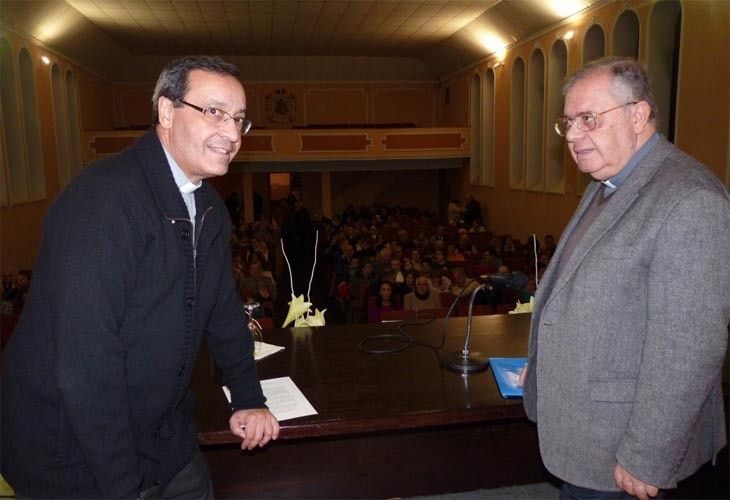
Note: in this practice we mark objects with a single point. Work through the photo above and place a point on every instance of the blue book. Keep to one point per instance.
(507, 373)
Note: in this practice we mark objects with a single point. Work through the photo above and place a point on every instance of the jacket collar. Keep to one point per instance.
(164, 189)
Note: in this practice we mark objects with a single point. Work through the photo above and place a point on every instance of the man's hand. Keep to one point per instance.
(255, 427)
(523, 375)
(633, 485)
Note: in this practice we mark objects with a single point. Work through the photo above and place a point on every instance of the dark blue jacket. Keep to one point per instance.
(95, 384)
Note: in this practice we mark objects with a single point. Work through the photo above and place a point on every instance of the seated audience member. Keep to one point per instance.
(407, 264)
(464, 244)
(550, 244)
(395, 268)
(403, 240)
(396, 251)
(8, 278)
(238, 268)
(477, 226)
(342, 263)
(490, 261)
(439, 262)
(453, 255)
(439, 282)
(508, 245)
(531, 244)
(353, 269)
(384, 301)
(425, 268)
(364, 278)
(7, 305)
(439, 234)
(462, 284)
(382, 261)
(416, 260)
(256, 281)
(376, 239)
(422, 297)
(420, 240)
(455, 212)
(365, 248)
(407, 286)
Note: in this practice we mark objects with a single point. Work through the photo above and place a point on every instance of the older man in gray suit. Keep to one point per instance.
(625, 362)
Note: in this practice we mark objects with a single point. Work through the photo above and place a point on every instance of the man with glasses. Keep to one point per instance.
(624, 374)
(135, 267)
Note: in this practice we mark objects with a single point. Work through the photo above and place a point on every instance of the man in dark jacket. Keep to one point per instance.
(134, 268)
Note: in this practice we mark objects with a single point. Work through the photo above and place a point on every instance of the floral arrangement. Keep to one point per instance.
(523, 307)
(300, 311)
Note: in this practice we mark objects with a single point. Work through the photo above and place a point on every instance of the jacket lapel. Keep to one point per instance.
(615, 208)
(158, 173)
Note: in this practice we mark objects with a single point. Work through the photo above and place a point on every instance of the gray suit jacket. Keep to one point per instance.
(627, 343)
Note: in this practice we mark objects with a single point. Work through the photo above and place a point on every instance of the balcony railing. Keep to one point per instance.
(318, 144)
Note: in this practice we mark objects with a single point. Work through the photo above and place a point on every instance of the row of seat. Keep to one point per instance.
(477, 310)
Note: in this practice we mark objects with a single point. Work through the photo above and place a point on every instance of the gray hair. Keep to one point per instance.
(173, 81)
(629, 77)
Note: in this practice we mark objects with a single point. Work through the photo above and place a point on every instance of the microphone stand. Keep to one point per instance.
(465, 361)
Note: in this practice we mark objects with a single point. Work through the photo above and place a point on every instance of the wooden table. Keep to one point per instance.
(387, 425)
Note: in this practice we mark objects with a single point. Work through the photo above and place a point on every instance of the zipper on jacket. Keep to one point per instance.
(196, 236)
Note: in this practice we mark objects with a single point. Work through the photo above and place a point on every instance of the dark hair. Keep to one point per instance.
(629, 76)
(393, 296)
(173, 80)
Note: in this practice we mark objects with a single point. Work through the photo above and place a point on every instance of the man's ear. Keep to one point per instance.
(165, 111)
(640, 116)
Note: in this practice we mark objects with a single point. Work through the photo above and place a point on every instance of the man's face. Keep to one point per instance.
(604, 151)
(203, 149)
(459, 278)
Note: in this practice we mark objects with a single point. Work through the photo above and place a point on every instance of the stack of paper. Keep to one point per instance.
(283, 398)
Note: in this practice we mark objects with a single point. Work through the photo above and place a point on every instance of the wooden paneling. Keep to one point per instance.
(423, 141)
(331, 142)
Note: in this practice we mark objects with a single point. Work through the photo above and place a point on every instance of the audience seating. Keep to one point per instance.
(439, 312)
(397, 315)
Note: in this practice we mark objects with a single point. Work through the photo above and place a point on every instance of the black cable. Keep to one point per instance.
(407, 339)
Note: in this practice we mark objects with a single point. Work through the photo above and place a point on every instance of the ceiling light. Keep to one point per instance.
(566, 8)
(492, 42)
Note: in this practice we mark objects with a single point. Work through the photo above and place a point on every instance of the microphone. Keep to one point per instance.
(465, 361)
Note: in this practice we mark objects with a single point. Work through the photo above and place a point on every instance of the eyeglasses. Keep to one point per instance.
(216, 116)
(584, 121)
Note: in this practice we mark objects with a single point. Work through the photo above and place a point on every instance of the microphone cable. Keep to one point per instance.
(408, 340)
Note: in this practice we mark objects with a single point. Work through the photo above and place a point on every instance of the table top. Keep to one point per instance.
(354, 391)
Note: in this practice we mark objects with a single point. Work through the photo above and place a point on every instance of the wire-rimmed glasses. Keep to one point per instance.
(216, 116)
(584, 121)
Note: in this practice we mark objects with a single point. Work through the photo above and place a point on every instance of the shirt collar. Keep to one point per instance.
(618, 179)
(183, 184)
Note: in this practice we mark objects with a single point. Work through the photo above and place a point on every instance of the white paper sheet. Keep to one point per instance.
(283, 398)
(263, 349)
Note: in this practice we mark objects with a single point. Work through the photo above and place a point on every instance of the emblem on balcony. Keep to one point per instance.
(281, 106)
